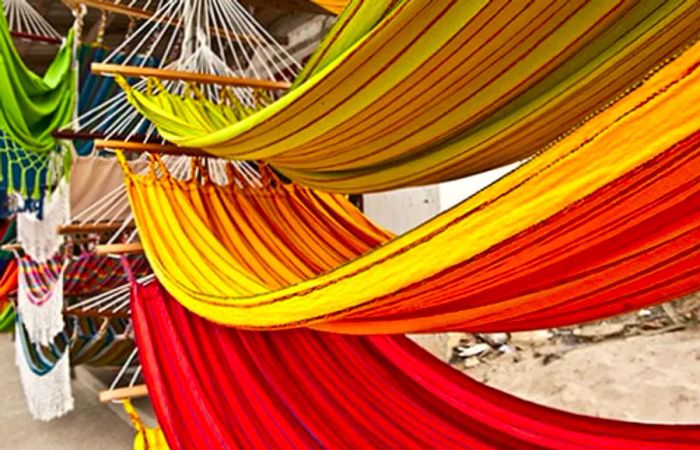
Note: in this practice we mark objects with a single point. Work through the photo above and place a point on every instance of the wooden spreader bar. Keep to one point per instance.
(124, 393)
(181, 75)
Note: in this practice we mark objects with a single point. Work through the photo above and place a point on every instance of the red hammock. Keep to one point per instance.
(215, 387)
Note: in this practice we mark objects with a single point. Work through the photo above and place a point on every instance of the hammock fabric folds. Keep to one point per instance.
(31, 108)
(229, 388)
(38, 105)
(604, 222)
(463, 86)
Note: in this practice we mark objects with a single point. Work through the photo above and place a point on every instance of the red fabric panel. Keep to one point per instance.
(215, 387)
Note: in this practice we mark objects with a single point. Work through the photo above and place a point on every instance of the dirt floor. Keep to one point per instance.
(641, 367)
(640, 378)
(90, 426)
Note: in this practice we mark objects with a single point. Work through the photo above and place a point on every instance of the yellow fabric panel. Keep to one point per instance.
(146, 438)
(198, 269)
(439, 90)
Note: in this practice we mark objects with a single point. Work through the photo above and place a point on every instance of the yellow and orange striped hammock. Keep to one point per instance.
(609, 215)
(412, 92)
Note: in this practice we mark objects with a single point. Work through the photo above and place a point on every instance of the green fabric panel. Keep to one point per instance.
(35, 106)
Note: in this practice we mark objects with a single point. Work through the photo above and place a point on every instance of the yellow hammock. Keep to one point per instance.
(146, 438)
(437, 90)
(197, 268)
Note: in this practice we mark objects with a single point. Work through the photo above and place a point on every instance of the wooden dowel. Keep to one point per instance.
(167, 74)
(124, 393)
(134, 248)
(11, 247)
(163, 149)
(93, 135)
(36, 37)
(144, 14)
(97, 227)
(77, 135)
(118, 9)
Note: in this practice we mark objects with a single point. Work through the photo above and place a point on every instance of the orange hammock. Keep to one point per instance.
(604, 222)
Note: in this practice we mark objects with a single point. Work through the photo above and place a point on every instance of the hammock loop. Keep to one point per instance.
(202, 171)
(102, 28)
(192, 89)
(155, 163)
(79, 12)
(266, 176)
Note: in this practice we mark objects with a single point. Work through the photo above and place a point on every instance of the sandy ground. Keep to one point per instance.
(90, 426)
(650, 378)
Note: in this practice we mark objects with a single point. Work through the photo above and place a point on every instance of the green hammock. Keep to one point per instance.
(31, 108)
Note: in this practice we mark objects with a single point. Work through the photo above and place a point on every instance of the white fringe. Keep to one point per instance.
(39, 238)
(49, 396)
(43, 322)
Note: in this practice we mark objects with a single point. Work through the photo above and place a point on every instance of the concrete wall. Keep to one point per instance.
(401, 210)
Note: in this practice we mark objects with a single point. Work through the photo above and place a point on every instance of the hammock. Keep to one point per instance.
(146, 438)
(604, 222)
(215, 39)
(45, 369)
(43, 337)
(44, 364)
(306, 389)
(41, 348)
(30, 157)
(438, 90)
(90, 341)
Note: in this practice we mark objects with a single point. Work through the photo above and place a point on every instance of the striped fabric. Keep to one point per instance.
(91, 341)
(86, 275)
(603, 222)
(438, 90)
